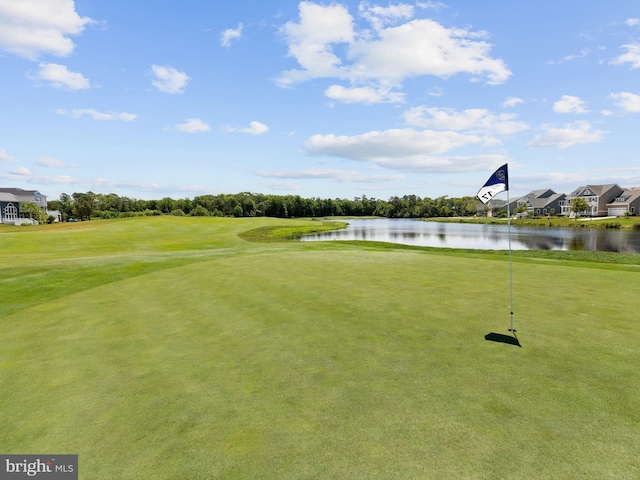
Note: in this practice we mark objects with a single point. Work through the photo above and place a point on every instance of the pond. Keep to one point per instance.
(483, 236)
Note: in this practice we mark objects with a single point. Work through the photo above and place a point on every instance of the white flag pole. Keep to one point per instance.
(512, 330)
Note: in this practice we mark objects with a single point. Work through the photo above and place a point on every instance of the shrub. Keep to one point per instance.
(611, 225)
(178, 213)
(107, 214)
(199, 211)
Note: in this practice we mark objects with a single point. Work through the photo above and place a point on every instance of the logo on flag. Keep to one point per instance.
(498, 182)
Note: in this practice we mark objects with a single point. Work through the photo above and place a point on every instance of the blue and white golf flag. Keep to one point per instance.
(498, 182)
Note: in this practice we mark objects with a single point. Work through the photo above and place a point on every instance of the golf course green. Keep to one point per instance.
(192, 348)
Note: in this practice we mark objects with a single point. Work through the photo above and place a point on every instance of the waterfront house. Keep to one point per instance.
(627, 201)
(542, 202)
(597, 196)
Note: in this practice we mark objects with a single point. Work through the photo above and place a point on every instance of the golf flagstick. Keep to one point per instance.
(512, 330)
(499, 182)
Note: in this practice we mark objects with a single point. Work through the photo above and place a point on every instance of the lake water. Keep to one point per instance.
(484, 237)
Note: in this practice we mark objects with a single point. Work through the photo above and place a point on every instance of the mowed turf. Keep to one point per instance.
(169, 348)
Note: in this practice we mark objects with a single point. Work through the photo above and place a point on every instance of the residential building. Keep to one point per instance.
(491, 206)
(542, 202)
(11, 200)
(597, 196)
(627, 201)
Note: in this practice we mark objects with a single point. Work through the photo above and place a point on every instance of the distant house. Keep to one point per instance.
(597, 196)
(491, 206)
(627, 201)
(11, 200)
(542, 202)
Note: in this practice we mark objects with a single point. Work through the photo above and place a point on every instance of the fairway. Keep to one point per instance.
(171, 348)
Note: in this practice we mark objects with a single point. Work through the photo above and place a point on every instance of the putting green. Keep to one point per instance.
(220, 358)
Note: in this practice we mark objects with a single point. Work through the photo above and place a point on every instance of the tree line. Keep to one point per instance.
(84, 206)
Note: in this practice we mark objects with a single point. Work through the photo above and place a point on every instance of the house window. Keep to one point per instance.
(10, 212)
(633, 209)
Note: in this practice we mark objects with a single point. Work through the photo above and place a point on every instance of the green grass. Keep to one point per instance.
(172, 348)
(544, 221)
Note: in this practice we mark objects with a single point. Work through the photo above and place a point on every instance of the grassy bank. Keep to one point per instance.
(582, 222)
(168, 347)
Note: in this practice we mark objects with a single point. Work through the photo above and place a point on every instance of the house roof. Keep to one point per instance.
(545, 193)
(627, 197)
(593, 190)
(19, 191)
(541, 198)
(542, 202)
(18, 195)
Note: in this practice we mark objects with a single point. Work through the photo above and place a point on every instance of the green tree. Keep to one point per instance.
(84, 205)
(167, 205)
(184, 204)
(34, 212)
(64, 205)
(579, 205)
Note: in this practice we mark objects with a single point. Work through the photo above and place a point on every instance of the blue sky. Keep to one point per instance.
(182, 98)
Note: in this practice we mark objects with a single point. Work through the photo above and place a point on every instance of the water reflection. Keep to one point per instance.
(484, 237)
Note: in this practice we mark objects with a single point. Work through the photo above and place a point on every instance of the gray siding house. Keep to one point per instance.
(12, 198)
(597, 196)
(628, 201)
(542, 202)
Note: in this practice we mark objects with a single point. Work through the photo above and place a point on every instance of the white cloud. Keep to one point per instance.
(5, 157)
(96, 115)
(21, 171)
(379, 16)
(230, 34)
(193, 125)
(632, 56)
(60, 77)
(388, 143)
(51, 162)
(325, 44)
(512, 102)
(286, 186)
(571, 134)
(629, 102)
(473, 120)
(406, 149)
(366, 95)
(168, 79)
(29, 28)
(583, 53)
(431, 5)
(310, 41)
(254, 128)
(94, 184)
(569, 104)
(632, 22)
(348, 176)
(424, 47)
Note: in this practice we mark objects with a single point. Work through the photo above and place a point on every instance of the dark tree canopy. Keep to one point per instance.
(84, 206)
